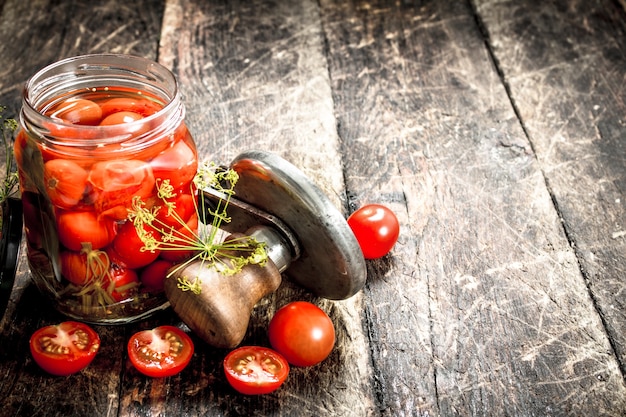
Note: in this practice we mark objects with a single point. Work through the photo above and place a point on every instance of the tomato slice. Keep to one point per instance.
(160, 352)
(254, 370)
(64, 349)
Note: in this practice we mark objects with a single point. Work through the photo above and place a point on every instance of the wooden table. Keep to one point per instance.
(495, 129)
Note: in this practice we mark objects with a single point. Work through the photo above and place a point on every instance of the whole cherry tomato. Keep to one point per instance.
(153, 276)
(177, 248)
(303, 333)
(142, 106)
(121, 283)
(376, 228)
(65, 348)
(160, 352)
(178, 164)
(77, 111)
(129, 250)
(120, 118)
(83, 267)
(183, 207)
(116, 182)
(77, 228)
(254, 370)
(65, 182)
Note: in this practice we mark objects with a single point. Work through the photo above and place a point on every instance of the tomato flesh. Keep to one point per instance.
(64, 349)
(160, 352)
(376, 228)
(303, 333)
(254, 370)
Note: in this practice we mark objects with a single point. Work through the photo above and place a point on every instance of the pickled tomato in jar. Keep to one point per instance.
(90, 153)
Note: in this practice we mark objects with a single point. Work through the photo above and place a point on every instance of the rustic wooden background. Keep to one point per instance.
(495, 129)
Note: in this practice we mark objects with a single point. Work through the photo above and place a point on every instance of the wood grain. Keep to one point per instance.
(484, 309)
(254, 76)
(494, 129)
(34, 34)
(576, 53)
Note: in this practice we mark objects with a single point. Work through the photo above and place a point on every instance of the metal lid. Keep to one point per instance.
(330, 262)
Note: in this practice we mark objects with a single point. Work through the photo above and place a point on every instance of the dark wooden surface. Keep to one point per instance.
(496, 130)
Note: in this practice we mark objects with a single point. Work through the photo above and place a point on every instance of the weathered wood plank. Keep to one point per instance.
(36, 33)
(253, 75)
(482, 309)
(565, 63)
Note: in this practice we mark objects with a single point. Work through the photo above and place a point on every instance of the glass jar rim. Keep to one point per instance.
(91, 72)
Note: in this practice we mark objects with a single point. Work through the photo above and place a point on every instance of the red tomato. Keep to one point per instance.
(178, 164)
(81, 268)
(65, 182)
(142, 106)
(120, 118)
(376, 229)
(178, 247)
(115, 184)
(129, 250)
(121, 283)
(153, 276)
(76, 228)
(77, 111)
(182, 210)
(160, 352)
(65, 348)
(302, 333)
(253, 370)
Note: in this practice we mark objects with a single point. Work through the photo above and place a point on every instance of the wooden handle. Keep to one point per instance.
(221, 312)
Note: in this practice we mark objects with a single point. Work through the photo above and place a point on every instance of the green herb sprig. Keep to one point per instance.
(9, 184)
(226, 256)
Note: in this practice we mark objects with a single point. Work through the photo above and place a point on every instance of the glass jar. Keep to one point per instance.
(102, 135)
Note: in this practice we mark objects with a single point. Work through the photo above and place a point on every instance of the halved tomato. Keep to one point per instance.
(160, 352)
(253, 370)
(65, 348)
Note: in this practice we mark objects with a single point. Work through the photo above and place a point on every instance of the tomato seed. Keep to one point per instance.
(151, 354)
(48, 345)
(176, 345)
